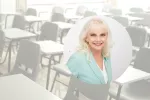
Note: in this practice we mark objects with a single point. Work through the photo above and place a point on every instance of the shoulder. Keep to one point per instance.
(78, 55)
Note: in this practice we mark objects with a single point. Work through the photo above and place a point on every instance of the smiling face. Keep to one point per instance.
(97, 36)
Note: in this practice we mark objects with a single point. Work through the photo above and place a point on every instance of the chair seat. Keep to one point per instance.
(143, 22)
(135, 48)
(62, 69)
(134, 91)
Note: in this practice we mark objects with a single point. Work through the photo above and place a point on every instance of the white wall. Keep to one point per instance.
(30, 2)
(126, 4)
(7, 6)
(21, 5)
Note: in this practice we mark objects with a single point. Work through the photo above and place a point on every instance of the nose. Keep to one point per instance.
(98, 39)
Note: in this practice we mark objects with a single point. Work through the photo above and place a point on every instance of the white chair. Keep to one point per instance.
(61, 69)
(91, 91)
(2, 44)
(27, 60)
(133, 84)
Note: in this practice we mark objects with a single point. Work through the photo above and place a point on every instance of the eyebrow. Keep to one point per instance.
(101, 33)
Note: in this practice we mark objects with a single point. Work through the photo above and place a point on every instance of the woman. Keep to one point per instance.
(91, 62)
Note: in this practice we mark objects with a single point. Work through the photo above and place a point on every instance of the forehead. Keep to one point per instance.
(97, 28)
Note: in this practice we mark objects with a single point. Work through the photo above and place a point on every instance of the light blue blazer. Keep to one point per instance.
(87, 70)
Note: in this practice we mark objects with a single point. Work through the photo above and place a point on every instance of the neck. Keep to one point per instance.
(97, 54)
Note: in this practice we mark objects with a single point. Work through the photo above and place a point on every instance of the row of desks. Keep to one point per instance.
(54, 48)
(38, 19)
(32, 19)
(19, 87)
(47, 47)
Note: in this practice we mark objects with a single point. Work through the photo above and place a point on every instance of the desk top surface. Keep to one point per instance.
(19, 87)
(34, 19)
(14, 33)
(50, 47)
(132, 75)
(63, 25)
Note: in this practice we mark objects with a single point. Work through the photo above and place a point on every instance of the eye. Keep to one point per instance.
(103, 34)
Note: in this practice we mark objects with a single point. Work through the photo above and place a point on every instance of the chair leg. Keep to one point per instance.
(54, 81)
(41, 62)
(1, 62)
(77, 93)
(110, 97)
(41, 59)
(119, 91)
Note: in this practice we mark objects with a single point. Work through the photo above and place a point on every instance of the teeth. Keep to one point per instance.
(98, 44)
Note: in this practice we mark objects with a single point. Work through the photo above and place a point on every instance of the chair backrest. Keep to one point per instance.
(59, 10)
(81, 10)
(2, 42)
(147, 16)
(69, 11)
(122, 20)
(137, 35)
(91, 91)
(106, 7)
(49, 31)
(142, 60)
(28, 59)
(9, 21)
(19, 22)
(136, 10)
(89, 13)
(31, 11)
(145, 21)
(57, 17)
(140, 15)
(115, 12)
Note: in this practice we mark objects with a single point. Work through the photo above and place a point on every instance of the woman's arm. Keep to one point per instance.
(73, 65)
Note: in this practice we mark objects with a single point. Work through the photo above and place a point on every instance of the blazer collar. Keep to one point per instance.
(97, 71)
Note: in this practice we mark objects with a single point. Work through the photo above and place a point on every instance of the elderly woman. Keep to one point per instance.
(91, 62)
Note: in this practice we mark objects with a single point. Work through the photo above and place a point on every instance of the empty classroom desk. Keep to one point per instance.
(19, 87)
(50, 48)
(15, 34)
(35, 19)
(63, 26)
(69, 17)
(129, 76)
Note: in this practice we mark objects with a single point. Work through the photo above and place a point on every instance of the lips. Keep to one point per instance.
(98, 44)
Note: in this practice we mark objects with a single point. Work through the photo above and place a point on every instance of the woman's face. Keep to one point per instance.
(97, 36)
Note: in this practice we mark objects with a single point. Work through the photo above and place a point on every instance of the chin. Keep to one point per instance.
(98, 48)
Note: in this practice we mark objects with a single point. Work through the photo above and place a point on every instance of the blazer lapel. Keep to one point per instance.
(108, 69)
(96, 70)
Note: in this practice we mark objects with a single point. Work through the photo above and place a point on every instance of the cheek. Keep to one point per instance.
(104, 38)
(89, 39)
(92, 39)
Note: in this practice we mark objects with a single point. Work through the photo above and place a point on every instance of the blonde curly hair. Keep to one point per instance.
(83, 44)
